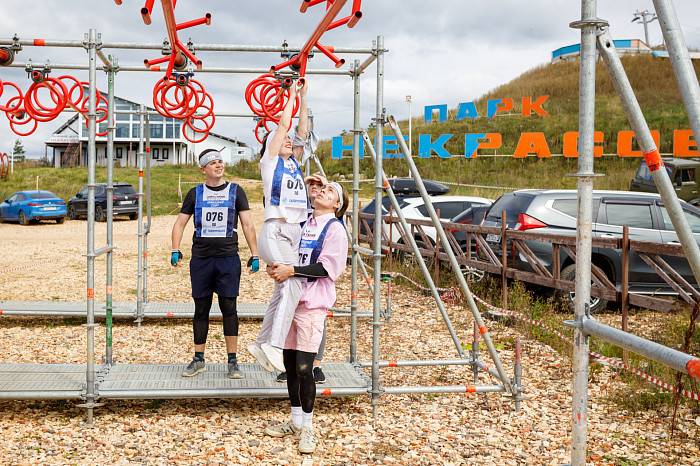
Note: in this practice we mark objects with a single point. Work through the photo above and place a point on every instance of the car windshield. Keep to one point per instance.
(643, 172)
(124, 190)
(512, 203)
(43, 195)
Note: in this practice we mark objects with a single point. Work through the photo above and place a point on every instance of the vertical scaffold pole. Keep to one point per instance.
(90, 325)
(139, 267)
(586, 114)
(680, 60)
(355, 208)
(377, 305)
(147, 228)
(110, 209)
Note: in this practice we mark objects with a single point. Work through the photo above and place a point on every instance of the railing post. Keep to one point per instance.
(504, 261)
(625, 281)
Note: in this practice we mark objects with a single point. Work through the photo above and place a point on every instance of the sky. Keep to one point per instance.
(439, 52)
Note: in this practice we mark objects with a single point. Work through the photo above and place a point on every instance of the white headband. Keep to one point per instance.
(339, 190)
(209, 157)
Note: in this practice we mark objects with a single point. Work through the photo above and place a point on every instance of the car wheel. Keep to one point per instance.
(2, 217)
(100, 215)
(569, 273)
(23, 219)
(71, 212)
(472, 274)
(407, 259)
(133, 216)
(60, 220)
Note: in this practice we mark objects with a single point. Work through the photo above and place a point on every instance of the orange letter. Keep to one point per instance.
(682, 143)
(571, 144)
(529, 107)
(624, 143)
(532, 143)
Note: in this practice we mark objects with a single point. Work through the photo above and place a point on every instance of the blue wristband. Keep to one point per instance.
(175, 257)
(254, 263)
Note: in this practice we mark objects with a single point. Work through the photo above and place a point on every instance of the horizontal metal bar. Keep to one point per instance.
(445, 389)
(425, 362)
(488, 369)
(205, 69)
(42, 395)
(649, 349)
(159, 46)
(367, 251)
(220, 393)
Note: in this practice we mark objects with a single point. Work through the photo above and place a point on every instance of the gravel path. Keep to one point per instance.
(415, 429)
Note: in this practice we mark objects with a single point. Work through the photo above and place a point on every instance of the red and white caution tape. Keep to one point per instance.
(480, 186)
(28, 266)
(448, 295)
(611, 361)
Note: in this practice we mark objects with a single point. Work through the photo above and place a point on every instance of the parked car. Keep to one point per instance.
(403, 188)
(555, 211)
(29, 206)
(124, 202)
(447, 207)
(684, 174)
(472, 216)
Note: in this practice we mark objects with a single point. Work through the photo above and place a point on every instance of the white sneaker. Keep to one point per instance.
(274, 356)
(307, 441)
(260, 356)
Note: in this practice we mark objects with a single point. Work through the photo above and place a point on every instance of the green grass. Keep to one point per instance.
(66, 182)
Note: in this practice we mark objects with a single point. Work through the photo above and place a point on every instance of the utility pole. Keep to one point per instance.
(644, 17)
(410, 117)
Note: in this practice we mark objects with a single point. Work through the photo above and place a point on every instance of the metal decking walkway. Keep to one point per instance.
(128, 309)
(151, 381)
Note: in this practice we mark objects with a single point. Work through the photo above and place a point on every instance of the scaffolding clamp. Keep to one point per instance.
(593, 22)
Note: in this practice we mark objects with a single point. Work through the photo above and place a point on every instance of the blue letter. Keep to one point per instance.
(390, 143)
(339, 148)
(442, 115)
(466, 110)
(425, 147)
(471, 144)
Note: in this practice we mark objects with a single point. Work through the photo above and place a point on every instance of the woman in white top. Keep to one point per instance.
(286, 207)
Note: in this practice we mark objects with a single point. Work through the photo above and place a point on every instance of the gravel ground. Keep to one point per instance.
(415, 429)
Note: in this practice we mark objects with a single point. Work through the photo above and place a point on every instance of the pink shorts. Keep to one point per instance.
(306, 331)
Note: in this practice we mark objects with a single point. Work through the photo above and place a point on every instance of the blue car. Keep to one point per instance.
(27, 206)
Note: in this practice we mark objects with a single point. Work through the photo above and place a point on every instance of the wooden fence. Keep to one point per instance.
(497, 261)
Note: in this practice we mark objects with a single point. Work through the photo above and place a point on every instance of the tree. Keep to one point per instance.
(18, 152)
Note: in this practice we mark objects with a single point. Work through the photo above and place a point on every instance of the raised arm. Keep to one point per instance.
(275, 144)
(303, 127)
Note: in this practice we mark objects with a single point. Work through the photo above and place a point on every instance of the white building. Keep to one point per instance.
(68, 144)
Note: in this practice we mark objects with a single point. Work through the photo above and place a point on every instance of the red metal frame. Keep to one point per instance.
(178, 50)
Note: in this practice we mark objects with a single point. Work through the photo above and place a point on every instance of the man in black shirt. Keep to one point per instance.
(217, 205)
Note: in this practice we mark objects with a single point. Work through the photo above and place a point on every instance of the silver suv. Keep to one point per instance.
(555, 211)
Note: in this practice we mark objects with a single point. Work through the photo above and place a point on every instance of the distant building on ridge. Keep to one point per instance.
(67, 146)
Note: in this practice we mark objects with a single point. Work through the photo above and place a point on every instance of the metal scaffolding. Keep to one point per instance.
(112, 380)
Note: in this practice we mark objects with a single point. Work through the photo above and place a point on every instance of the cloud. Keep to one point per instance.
(448, 51)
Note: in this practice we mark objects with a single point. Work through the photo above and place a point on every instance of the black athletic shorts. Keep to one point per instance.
(220, 275)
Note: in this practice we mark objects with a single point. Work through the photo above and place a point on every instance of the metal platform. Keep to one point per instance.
(128, 309)
(147, 381)
(151, 381)
(42, 381)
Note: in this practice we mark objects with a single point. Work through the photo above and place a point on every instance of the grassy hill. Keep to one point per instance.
(655, 87)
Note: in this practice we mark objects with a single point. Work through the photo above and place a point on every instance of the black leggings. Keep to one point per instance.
(200, 323)
(300, 378)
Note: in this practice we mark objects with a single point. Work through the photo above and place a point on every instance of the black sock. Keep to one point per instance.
(232, 357)
(199, 355)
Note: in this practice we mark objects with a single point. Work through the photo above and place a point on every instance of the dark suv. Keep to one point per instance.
(124, 199)
(555, 211)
